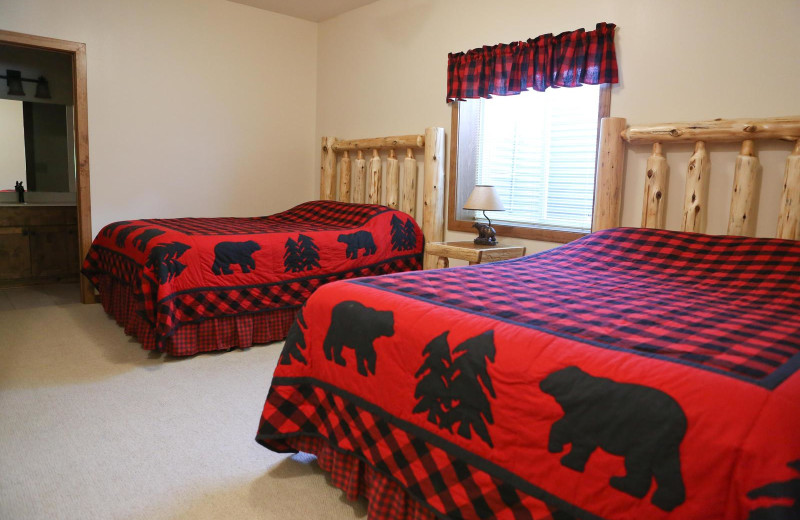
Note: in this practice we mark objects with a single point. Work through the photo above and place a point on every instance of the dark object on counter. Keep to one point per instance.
(20, 192)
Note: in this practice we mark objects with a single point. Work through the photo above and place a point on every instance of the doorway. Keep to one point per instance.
(77, 53)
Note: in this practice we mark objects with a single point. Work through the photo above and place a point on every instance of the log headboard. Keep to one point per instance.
(362, 180)
(615, 135)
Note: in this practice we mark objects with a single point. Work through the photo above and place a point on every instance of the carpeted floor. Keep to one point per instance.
(92, 426)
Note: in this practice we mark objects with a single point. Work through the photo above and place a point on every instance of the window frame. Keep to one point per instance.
(460, 189)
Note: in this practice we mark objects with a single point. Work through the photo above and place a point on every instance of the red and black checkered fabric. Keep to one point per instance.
(722, 303)
(318, 215)
(570, 59)
(444, 484)
(188, 271)
(386, 499)
(197, 305)
(222, 333)
(483, 390)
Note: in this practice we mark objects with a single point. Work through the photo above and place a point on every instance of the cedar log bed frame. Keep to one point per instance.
(363, 184)
(614, 136)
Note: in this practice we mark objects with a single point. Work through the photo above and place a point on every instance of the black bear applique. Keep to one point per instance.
(356, 326)
(109, 229)
(642, 424)
(163, 260)
(301, 254)
(295, 342)
(140, 241)
(788, 489)
(125, 232)
(358, 240)
(451, 389)
(229, 253)
(404, 236)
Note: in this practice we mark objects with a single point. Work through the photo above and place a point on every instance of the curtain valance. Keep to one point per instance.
(567, 60)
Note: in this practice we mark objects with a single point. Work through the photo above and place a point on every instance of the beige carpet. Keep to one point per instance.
(92, 426)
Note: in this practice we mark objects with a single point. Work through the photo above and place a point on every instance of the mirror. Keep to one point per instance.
(36, 146)
(37, 134)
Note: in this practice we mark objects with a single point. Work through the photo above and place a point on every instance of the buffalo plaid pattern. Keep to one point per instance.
(722, 303)
(162, 311)
(194, 306)
(167, 315)
(222, 333)
(386, 500)
(567, 60)
(450, 487)
(311, 216)
(107, 262)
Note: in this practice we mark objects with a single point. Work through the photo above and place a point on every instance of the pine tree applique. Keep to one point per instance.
(451, 390)
(404, 235)
(163, 260)
(432, 388)
(300, 255)
(295, 342)
(291, 257)
(411, 235)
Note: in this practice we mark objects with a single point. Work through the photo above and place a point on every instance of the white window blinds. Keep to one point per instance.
(538, 150)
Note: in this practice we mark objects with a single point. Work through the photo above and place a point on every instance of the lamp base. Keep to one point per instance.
(486, 234)
(481, 241)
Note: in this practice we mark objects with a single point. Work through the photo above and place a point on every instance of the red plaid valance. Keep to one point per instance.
(567, 60)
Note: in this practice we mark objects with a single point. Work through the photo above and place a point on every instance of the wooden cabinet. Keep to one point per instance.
(38, 243)
(15, 258)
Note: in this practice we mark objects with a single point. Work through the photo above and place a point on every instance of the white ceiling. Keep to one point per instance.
(313, 10)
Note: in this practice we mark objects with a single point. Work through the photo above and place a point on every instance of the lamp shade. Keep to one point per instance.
(42, 88)
(14, 82)
(484, 198)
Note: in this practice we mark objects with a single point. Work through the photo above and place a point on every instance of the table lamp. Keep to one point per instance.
(484, 198)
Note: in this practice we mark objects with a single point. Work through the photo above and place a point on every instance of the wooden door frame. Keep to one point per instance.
(84, 204)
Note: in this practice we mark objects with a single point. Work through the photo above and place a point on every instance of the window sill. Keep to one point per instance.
(519, 231)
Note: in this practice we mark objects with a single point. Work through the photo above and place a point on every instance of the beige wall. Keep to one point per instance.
(191, 112)
(382, 71)
(196, 107)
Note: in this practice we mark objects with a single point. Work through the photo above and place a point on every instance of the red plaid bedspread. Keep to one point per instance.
(631, 374)
(191, 269)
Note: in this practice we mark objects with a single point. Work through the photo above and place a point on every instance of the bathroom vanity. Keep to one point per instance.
(38, 243)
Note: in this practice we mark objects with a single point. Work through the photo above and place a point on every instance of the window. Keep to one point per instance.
(539, 150)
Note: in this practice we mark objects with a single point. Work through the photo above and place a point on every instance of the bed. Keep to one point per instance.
(190, 285)
(634, 373)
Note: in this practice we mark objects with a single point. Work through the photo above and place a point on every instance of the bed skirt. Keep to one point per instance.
(386, 500)
(221, 333)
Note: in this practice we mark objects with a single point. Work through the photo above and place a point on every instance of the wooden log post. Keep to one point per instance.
(374, 179)
(789, 214)
(654, 210)
(392, 180)
(381, 143)
(408, 201)
(433, 191)
(327, 189)
(695, 200)
(608, 174)
(359, 177)
(746, 188)
(345, 171)
(718, 130)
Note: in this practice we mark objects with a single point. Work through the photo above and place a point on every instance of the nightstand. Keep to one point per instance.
(472, 253)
